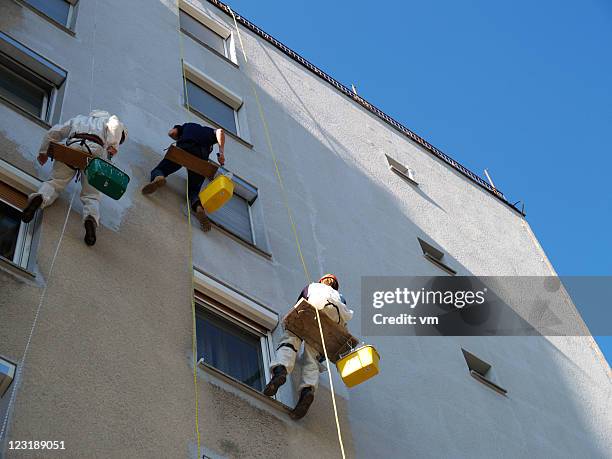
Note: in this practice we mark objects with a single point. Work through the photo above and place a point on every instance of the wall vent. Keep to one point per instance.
(480, 370)
(435, 256)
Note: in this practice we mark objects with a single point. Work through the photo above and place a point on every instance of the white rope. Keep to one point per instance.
(93, 58)
(43, 294)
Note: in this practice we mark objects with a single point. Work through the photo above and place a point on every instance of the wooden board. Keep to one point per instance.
(302, 321)
(70, 156)
(199, 166)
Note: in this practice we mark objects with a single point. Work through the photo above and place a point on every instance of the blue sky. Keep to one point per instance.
(521, 88)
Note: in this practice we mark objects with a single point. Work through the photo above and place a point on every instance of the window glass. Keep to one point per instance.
(230, 349)
(22, 92)
(211, 107)
(235, 217)
(10, 222)
(202, 33)
(58, 10)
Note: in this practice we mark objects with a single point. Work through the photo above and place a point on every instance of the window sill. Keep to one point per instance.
(276, 404)
(25, 113)
(440, 265)
(49, 19)
(241, 241)
(15, 269)
(217, 126)
(490, 384)
(211, 49)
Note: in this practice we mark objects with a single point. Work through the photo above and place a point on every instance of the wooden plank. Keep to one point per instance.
(204, 168)
(302, 321)
(69, 156)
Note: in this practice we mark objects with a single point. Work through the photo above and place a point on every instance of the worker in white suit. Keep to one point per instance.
(324, 296)
(100, 134)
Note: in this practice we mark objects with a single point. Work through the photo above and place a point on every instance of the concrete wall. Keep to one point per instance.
(109, 366)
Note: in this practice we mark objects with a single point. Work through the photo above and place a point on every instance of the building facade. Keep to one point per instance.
(104, 361)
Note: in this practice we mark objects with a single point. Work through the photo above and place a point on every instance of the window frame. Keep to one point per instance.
(23, 244)
(24, 62)
(225, 41)
(198, 112)
(70, 20)
(218, 309)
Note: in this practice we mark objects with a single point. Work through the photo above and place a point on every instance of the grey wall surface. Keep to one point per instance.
(109, 369)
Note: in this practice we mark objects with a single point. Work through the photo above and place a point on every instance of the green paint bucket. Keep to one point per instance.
(106, 178)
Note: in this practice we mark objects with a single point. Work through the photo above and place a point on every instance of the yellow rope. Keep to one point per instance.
(295, 233)
(194, 342)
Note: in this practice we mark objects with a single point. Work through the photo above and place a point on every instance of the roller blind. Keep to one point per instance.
(12, 196)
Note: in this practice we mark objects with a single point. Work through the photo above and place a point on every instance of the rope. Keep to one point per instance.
(194, 342)
(295, 233)
(43, 295)
(93, 59)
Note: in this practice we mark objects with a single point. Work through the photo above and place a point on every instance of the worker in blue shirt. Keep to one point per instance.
(199, 141)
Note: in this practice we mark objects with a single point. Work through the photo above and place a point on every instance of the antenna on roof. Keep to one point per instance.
(490, 179)
(354, 89)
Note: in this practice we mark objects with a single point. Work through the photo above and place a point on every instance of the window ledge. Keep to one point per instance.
(49, 19)
(276, 404)
(208, 120)
(25, 113)
(15, 269)
(210, 48)
(490, 384)
(247, 244)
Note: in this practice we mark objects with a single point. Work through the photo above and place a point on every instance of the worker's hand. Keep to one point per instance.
(42, 159)
(221, 158)
(111, 151)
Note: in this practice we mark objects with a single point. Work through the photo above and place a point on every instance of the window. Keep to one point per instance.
(59, 11)
(28, 81)
(401, 170)
(15, 236)
(202, 34)
(231, 343)
(211, 107)
(481, 371)
(435, 256)
(236, 216)
(7, 374)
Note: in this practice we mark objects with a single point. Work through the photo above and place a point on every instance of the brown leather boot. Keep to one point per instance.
(152, 186)
(306, 399)
(279, 377)
(203, 219)
(28, 213)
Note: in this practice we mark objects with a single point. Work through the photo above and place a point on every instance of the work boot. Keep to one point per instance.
(90, 231)
(28, 213)
(279, 377)
(203, 219)
(306, 399)
(152, 186)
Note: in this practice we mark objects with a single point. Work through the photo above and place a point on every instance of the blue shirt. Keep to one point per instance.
(202, 135)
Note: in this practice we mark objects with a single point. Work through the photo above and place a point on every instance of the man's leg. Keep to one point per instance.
(286, 353)
(193, 191)
(90, 197)
(309, 382)
(48, 191)
(159, 174)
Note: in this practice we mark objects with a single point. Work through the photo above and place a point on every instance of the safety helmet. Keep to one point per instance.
(331, 276)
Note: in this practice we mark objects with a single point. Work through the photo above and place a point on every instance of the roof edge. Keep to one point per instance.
(367, 105)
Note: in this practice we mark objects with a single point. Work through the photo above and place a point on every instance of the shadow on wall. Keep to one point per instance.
(424, 401)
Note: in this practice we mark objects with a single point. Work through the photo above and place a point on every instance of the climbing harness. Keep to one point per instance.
(294, 230)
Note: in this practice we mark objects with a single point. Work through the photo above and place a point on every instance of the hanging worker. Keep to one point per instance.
(199, 141)
(99, 134)
(323, 295)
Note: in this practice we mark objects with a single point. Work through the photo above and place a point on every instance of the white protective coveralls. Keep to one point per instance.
(101, 123)
(329, 302)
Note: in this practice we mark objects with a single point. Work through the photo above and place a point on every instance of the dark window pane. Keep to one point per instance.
(57, 10)
(202, 33)
(21, 92)
(230, 349)
(211, 107)
(234, 216)
(10, 221)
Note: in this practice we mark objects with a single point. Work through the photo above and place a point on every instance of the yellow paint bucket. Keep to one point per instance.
(217, 193)
(358, 366)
